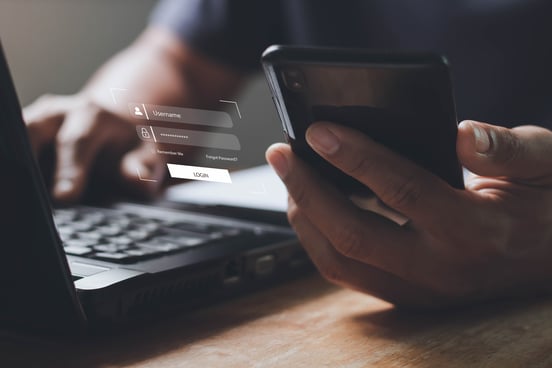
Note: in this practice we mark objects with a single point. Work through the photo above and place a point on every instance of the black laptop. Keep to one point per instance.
(80, 268)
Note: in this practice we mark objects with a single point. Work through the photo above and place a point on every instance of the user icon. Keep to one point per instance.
(137, 111)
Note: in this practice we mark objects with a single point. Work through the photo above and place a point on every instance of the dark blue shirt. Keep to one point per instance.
(500, 50)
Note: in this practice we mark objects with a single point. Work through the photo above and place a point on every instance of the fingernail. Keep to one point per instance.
(482, 142)
(64, 186)
(322, 139)
(279, 164)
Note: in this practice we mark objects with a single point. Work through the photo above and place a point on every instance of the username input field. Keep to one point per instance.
(184, 115)
(188, 137)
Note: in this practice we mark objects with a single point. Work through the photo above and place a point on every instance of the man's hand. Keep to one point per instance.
(84, 135)
(492, 240)
(88, 132)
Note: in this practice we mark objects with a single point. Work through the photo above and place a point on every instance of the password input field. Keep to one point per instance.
(188, 137)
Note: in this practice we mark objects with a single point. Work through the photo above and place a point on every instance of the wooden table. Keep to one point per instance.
(310, 323)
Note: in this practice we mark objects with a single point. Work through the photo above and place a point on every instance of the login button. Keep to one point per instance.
(199, 173)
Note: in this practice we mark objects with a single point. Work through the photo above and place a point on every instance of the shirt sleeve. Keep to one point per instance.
(232, 32)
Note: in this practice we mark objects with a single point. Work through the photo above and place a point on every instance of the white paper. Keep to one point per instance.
(258, 187)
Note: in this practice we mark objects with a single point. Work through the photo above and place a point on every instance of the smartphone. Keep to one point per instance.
(401, 100)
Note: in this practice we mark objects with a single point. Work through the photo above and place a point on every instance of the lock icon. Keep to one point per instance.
(145, 133)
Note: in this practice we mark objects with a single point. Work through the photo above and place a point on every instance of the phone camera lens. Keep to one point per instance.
(294, 79)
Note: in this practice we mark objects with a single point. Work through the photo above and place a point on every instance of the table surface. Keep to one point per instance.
(310, 323)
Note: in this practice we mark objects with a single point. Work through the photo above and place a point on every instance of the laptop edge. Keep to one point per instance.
(36, 281)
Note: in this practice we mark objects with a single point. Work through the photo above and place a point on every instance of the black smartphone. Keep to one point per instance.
(401, 100)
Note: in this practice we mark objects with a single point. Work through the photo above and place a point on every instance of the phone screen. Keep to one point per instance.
(408, 107)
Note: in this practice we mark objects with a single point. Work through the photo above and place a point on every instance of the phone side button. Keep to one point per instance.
(279, 110)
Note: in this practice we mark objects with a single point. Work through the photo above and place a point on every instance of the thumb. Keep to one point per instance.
(523, 152)
(142, 171)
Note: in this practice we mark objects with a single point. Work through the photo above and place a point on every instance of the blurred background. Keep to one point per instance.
(53, 46)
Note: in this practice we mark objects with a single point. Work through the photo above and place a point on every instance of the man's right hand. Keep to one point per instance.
(88, 134)
(88, 139)
(492, 240)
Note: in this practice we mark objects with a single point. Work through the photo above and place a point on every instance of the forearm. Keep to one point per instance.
(158, 68)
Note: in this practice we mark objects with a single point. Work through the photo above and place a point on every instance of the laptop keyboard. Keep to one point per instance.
(124, 237)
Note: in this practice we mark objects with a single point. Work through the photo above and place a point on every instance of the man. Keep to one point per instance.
(493, 239)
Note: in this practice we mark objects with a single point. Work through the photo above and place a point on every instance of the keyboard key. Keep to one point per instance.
(93, 218)
(160, 246)
(77, 251)
(65, 215)
(107, 248)
(138, 235)
(89, 235)
(143, 226)
(65, 232)
(80, 226)
(122, 222)
(121, 240)
(109, 230)
(80, 242)
(112, 256)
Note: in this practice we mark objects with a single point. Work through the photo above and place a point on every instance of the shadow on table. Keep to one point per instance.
(147, 341)
(497, 334)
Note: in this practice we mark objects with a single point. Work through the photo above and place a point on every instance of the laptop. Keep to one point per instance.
(76, 269)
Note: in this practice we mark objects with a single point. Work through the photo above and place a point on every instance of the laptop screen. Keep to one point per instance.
(37, 290)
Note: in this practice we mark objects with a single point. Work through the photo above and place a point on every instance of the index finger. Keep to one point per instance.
(398, 182)
(43, 119)
(77, 145)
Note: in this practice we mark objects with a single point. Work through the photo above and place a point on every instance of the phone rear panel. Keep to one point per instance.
(403, 101)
